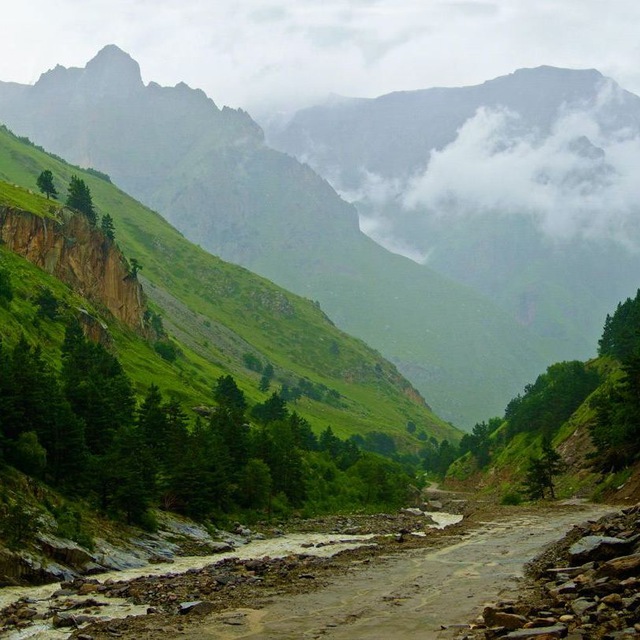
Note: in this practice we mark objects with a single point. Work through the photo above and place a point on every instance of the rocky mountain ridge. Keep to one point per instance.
(521, 187)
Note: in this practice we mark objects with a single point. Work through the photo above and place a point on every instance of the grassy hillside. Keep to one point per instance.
(540, 416)
(220, 313)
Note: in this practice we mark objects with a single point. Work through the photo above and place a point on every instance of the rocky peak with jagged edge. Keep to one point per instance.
(111, 71)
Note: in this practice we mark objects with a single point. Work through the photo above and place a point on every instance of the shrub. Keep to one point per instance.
(166, 350)
(511, 498)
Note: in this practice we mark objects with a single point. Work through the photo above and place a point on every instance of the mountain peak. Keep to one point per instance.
(554, 78)
(113, 67)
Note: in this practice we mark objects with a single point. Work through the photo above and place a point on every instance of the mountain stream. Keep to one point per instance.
(415, 593)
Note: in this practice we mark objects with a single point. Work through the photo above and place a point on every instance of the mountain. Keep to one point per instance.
(208, 172)
(221, 319)
(522, 187)
(98, 422)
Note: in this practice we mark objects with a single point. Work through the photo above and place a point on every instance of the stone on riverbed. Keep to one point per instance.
(597, 548)
(198, 607)
(495, 618)
(621, 567)
(556, 631)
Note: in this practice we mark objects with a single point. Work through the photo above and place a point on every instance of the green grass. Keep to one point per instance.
(188, 286)
(14, 196)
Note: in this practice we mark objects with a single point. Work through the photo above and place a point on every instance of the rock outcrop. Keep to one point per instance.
(79, 255)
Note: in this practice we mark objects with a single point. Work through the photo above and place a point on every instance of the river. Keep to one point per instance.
(409, 595)
(406, 595)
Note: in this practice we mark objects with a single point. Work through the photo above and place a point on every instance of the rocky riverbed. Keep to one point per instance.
(396, 584)
(247, 564)
(586, 586)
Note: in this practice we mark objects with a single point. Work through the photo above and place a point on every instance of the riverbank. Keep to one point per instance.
(584, 586)
(395, 572)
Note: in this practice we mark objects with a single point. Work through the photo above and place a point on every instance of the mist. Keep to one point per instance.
(577, 181)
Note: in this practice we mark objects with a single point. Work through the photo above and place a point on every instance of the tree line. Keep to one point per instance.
(82, 431)
(616, 431)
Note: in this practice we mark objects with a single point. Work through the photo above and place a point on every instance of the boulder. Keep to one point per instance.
(65, 551)
(556, 631)
(496, 618)
(595, 548)
(621, 567)
(197, 607)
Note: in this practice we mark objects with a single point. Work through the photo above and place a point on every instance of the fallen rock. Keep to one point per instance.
(557, 631)
(197, 607)
(598, 548)
(621, 567)
(496, 618)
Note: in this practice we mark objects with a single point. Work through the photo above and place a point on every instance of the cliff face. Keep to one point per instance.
(80, 256)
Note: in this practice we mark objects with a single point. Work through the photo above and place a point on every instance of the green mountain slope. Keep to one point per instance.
(574, 431)
(221, 315)
(408, 163)
(208, 172)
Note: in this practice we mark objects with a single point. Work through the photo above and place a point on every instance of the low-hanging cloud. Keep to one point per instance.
(575, 182)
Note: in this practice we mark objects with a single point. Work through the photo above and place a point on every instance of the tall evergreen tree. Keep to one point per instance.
(199, 481)
(97, 387)
(272, 409)
(79, 198)
(229, 397)
(106, 224)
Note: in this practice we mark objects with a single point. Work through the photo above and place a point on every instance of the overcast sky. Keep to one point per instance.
(269, 54)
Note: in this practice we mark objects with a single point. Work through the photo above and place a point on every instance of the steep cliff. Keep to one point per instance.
(79, 255)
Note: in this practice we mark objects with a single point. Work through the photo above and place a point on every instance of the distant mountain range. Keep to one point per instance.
(209, 172)
(523, 188)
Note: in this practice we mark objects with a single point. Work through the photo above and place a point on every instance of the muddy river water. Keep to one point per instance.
(413, 594)
(410, 595)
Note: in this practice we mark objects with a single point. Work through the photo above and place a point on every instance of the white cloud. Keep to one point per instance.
(575, 182)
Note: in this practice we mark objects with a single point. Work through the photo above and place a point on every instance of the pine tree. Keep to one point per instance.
(271, 410)
(199, 482)
(106, 224)
(45, 184)
(229, 397)
(79, 198)
(133, 481)
(97, 388)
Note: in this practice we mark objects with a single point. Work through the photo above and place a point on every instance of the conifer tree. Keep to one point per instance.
(79, 198)
(97, 387)
(106, 224)
(45, 184)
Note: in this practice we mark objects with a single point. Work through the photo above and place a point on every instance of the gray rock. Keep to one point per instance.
(65, 551)
(581, 605)
(598, 548)
(198, 607)
(621, 567)
(556, 631)
(496, 618)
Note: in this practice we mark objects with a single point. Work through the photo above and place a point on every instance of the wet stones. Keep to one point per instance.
(591, 591)
(495, 618)
(594, 548)
(196, 608)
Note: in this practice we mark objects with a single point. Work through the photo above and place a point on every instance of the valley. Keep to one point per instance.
(371, 371)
